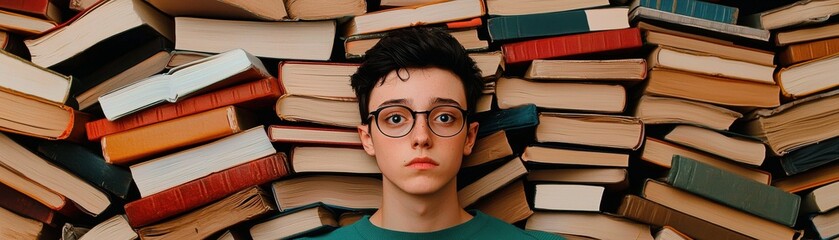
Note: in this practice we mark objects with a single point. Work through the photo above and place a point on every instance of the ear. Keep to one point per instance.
(366, 139)
(471, 136)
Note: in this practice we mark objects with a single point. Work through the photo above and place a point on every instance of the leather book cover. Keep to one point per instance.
(648, 212)
(88, 165)
(37, 8)
(571, 45)
(19, 203)
(802, 52)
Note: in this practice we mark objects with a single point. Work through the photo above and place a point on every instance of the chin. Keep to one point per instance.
(422, 187)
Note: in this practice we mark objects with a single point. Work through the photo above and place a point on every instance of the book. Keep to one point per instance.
(570, 96)
(661, 153)
(21, 161)
(244, 205)
(431, 13)
(491, 64)
(508, 7)
(733, 190)
(120, 25)
(797, 13)
(824, 224)
(567, 197)
(288, 40)
(485, 103)
(43, 9)
(205, 190)
(508, 204)
(294, 108)
(23, 76)
(634, 69)
(24, 24)
(806, 34)
(294, 224)
(611, 178)
(612, 131)
(572, 45)
(810, 179)
(404, 3)
(88, 165)
(693, 8)
(181, 82)
(670, 233)
(38, 117)
(739, 148)
(13, 43)
(333, 160)
(115, 227)
(254, 94)
(25, 206)
(661, 36)
(588, 225)
(512, 27)
(317, 79)
(730, 218)
(319, 10)
(266, 10)
(194, 163)
(811, 156)
(699, 25)
(711, 89)
(488, 149)
(667, 110)
(807, 78)
(802, 52)
(707, 64)
(812, 118)
(181, 57)
(649, 212)
(134, 145)
(537, 154)
(300, 135)
(356, 46)
(821, 199)
(39, 195)
(344, 192)
(496, 179)
(16, 227)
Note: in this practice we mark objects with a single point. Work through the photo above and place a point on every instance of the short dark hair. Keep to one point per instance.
(415, 48)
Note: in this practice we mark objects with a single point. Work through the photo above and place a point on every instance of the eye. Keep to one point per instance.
(445, 118)
(395, 119)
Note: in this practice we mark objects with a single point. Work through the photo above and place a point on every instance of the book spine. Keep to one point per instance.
(733, 190)
(259, 93)
(803, 52)
(88, 165)
(19, 203)
(594, 42)
(694, 8)
(524, 26)
(191, 195)
(648, 212)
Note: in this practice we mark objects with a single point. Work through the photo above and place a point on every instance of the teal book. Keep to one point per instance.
(88, 165)
(810, 156)
(557, 23)
(692, 8)
(730, 189)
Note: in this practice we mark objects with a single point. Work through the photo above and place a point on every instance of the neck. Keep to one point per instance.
(402, 211)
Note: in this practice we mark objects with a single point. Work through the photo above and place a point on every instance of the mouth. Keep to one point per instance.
(422, 163)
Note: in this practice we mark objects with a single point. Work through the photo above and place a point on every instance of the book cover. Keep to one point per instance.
(63, 123)
(44, 9)
(698, 9)
(810, 156)
(566, 22)
(90, 77)
(88, 165)
(649, 212)
(16, 202)
(572, 45)
(803, 52)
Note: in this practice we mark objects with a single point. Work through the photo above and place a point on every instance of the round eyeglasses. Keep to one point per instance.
(397, 121)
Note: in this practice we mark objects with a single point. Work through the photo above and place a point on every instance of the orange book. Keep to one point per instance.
(127, 147)
(803, 52)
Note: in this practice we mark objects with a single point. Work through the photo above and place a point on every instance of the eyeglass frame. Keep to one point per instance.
(375, 115)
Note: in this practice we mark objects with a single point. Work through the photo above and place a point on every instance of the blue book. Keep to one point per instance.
(693, 8)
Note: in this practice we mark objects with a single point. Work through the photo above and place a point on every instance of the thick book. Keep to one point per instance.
(244, 205)
(300, 135)
(634, 69)
(23, 76)
(694, 8)
(549, 155)
(330, 80)
(611, 131)
(319, 10)
(810, 179)
(711, 89)
(356, 46)
(38, 193)
(825, 224)
(802, 52)
(588, 225)
(152, 65)
(24, 24)
(17, 227)
(567, 197)
(343, 192)
(734, 190)
(661, 36)
(491, 182)
(329, 112)
(25, 206)
(807, 78)
(289, 225)
(709, 64)
(88, 165)
(255, 94)
(43, 9)
(203, 75)
(699, 25)
(115, 227)
(798, 13)
(724, 216)
(301, 40)
(649, 212)
(131, 146)
(660, 152)
(491, 64)
(503, 28)
(338, 160)
(509, 204)
(566, 96)
(572, 45)
(194, 163)
(613, 179)
(199, 192)
(436, 12)
(796, 124)
(265, 10)
(488, 149)
(667, 110)
(737, 147)
(806, 34)
(810, 157)
(821, 199)
(38, 117)
(514, 7)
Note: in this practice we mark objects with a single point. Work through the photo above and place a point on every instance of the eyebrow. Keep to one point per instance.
(435, 101)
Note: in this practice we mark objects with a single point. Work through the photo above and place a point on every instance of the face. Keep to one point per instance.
(420, 162)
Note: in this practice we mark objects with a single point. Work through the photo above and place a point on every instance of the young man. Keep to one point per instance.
(416, 90)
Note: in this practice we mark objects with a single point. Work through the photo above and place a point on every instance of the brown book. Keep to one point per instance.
(319, 10)
(356, 46)
(435, 12)
(203, 222)
(328, 112)
(710, 64)
(491, 182)
(24, 24)
(611, 178)
(314, 135)
(567, 197)
(327, 80)
(295, 224)
(796, 124)
(38, 117)
(667, 110)
(345, 192)
(802, 52)
(738, 148)
(670, 233)
(588, 97)
(825, 224)
(266, 10)
(661, 153)
(821, 199)
(491, 64)
(16, 227)
(710, 89)
(611, 131)
(802, 12)
(667, 37)
(130, 146)
(810, 179)
(487, 149)
(181, 57)
(693, 205)
(649, 212)
(24, 201)
(806, 34)
(332, 160)
(588, 70)
(804, 79)
(508, 204)
(589, 225)
(562, 156)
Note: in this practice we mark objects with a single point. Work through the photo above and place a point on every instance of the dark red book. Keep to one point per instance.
(571, 45)
(43, 9)
(256, 94)
(205, 190)
(12, 200)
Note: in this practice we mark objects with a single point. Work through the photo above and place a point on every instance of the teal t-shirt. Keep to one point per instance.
(481, 226)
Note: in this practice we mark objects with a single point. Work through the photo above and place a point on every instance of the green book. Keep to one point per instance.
(692, 8)
(810, 156)
(733, 190)
(557, 23)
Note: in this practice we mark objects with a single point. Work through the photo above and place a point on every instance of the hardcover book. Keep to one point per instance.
(572, 45)
(503, 28)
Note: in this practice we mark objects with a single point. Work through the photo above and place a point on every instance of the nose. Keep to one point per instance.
(421, 134)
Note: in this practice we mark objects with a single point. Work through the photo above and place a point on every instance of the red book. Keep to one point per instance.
(43, 9)
(256, 94)
(571, 45)
(211, 188)
(12, 200)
